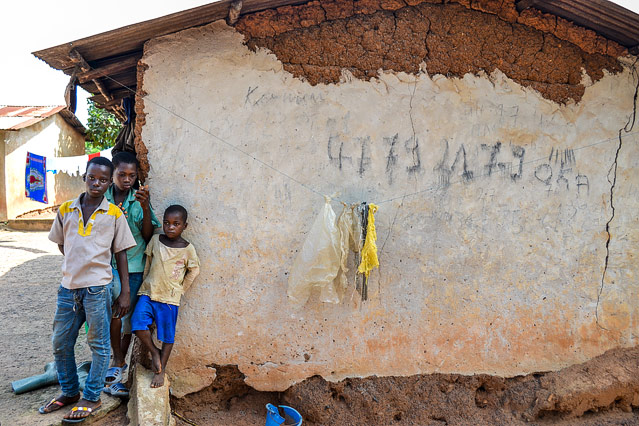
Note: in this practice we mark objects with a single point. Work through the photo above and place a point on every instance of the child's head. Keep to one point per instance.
(98, 176)
(174, 223)
(125, 176)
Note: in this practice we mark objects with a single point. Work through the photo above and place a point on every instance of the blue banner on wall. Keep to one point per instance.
(36, 178)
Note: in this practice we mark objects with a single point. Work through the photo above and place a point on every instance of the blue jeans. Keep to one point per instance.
(74, 307)
(135, 282)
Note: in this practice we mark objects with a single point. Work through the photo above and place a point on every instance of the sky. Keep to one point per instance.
(28, 26)
(34, 25)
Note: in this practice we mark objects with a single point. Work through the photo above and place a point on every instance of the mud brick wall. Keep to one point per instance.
(318, 41)
(504, 175)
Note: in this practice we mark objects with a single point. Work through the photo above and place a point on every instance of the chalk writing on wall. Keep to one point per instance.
(460, 162)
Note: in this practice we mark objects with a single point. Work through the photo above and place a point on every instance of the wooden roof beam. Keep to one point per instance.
(106, 70)
(117, 96)
(84, 66)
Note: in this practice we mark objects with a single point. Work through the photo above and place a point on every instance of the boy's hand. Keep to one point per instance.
(142, 195)
(121, 305)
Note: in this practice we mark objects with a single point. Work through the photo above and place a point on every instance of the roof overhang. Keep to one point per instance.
(112, 56)
(106, 64)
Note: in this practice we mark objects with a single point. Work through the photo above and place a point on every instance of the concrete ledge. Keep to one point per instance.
(30, 224)
(149, 406)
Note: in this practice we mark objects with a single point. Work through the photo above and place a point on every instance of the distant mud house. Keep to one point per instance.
(497, 138)
(50, 131)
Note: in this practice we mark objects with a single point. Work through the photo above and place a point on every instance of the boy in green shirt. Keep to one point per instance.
(136, 205)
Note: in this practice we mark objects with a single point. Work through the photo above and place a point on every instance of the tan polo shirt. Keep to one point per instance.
(169, 271)
(88, 250)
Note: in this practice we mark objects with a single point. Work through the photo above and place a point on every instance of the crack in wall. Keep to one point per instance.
(627, 128)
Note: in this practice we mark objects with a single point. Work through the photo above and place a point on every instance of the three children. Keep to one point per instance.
(90, 231)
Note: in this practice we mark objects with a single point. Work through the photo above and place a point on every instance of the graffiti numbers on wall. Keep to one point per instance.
(356, 153)
(559, 172)
(489, 160)
(460, 162)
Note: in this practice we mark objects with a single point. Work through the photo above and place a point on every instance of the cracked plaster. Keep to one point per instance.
(497, 200)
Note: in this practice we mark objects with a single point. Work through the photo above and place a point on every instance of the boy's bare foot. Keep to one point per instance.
(156, 361)
(56, 403)
(83, 409)
(158, 380)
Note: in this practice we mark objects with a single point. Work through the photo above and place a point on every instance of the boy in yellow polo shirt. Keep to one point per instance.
(87, 230)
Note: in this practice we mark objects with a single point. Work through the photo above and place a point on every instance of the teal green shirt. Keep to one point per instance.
(135, 215)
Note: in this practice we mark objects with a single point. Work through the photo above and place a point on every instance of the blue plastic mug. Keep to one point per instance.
(273, 417)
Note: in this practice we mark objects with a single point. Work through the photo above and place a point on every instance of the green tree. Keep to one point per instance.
(102, 129)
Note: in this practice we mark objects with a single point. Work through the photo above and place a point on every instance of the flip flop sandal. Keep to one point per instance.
(116, 389)
(53, 405)
(115, 374)
(87, 410)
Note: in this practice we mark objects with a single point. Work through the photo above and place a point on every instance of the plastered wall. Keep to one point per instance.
(50, 137)
(494, 208)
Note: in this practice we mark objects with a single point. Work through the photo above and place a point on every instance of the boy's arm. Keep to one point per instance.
(121, 305)
(57, 232)
(122, 240)
(189, 277)
(147, 265)
(142, 195)
(192, 271)
(149, 258)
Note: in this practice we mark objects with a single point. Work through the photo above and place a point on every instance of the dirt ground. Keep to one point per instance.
(603, 391)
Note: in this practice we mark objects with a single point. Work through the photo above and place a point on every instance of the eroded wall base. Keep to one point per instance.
(608, 384)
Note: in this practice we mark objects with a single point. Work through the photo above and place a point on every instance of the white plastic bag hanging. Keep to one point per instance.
(316, 265)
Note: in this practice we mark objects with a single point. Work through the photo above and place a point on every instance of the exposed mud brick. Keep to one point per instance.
(392, 4)
(534, 18)
(140, 119)
(366, 7)
(614, 49)
(311, 15)
(257, 25)
(608, 382)
(229, 383)
(287, 19)
(319, 40)
(505, 9)
(337, 9)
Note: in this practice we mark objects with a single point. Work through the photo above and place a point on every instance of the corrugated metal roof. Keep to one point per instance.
(29, 111)
(114, 52)
(18, 117)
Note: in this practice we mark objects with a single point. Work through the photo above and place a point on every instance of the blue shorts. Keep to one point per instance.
(148, 311)
(135, 281)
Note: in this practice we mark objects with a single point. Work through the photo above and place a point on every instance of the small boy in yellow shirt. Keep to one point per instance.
(171, 267)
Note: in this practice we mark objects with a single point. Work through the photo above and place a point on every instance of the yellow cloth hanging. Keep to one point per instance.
(369, 252)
